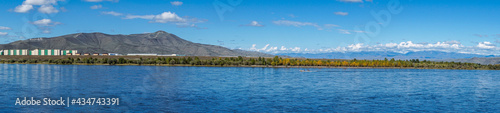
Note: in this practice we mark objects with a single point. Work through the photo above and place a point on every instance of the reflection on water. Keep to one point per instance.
(232, 89)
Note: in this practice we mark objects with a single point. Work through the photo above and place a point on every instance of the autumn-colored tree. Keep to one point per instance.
(345, 63)
(308, 63)
(337, 63)
(365, 64)
(319, 63)
(286, 62)
(354, 64)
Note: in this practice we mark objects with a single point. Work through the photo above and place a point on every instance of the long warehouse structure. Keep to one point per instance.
(47, 52)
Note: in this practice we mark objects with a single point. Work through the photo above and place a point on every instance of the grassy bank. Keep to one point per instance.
(242, 62)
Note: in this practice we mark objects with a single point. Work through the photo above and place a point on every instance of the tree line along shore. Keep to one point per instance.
(250, 62)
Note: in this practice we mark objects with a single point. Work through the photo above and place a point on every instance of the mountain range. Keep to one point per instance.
(159, 42)
(484, 61)
(429, 55)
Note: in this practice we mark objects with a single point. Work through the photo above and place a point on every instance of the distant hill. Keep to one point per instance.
(159, 42)
(484, 61)
(429, 55)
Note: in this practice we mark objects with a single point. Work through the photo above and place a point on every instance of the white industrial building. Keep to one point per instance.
(142, 54)
(169, 55)
(15, 52)
(43, 52)
(59, 52)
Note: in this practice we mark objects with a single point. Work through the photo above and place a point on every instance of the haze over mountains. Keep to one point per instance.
(159, 42)
(423, 55)
(430, 55)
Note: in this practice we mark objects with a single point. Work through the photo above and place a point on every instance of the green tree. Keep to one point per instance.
(172, 62)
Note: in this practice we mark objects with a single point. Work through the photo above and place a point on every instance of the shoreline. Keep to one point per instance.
(253, 66)
(265, 62)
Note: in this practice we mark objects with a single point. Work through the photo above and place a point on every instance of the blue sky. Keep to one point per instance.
(273, 26)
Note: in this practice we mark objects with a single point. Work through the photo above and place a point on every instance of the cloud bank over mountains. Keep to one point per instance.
(482, 48)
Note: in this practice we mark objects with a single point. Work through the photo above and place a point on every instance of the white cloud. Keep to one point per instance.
(486, 45)
(3, 33)
(390, 45)
(96, 7)
(274, 49)
(176, 3)
(255, 49)
(45, 22)
(111, 13)
(139, 16)
(186, 25)
(47, 9)
(166, 17)
(40, 2)
(45, 25)
(254, 23)
(294, 23)
(300, 24)
(147, 17)
(5, 28)
(46, 6)
(483, 48)
(23, 8)
(352, 1)
(341, 13)
(102, 0)
(46, 31)
(452, 42)
(343, 31)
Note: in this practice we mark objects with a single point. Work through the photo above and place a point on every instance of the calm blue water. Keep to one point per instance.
(228, 89)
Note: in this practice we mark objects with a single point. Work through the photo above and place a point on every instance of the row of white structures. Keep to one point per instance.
(38, 52)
